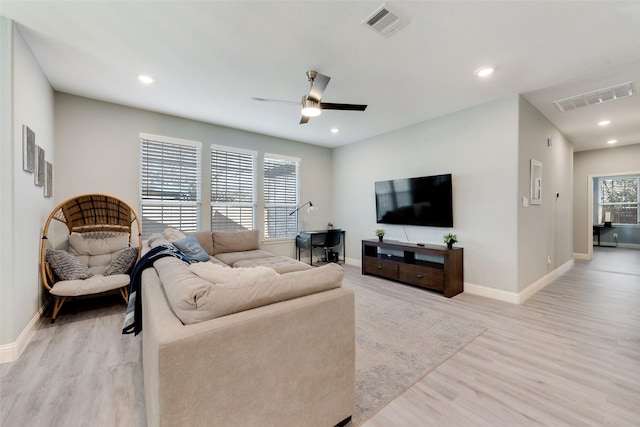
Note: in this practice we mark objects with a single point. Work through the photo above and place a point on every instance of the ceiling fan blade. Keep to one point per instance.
(275, 100)
(304, 119)
(345, 107)
(318, 86)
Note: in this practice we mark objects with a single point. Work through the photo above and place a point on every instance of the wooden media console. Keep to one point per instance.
(430, 266)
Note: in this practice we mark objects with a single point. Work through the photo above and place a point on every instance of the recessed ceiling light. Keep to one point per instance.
(612, 141)
(145, 79)
(335, 130)
(604, 122)
(484, 71)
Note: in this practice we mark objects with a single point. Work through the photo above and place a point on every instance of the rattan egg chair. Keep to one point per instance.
(101, 215)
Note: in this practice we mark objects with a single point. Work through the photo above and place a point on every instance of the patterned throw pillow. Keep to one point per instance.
(66, 266)
(192, 249)
(123, 262)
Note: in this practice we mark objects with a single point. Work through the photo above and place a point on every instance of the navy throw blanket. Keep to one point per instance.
(133, 318)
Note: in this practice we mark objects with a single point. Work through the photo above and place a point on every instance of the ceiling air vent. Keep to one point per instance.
(384, 21)
(595, 97)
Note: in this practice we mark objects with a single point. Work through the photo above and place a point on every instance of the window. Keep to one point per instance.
(233, 195)
(280, 196)
(618, 199)
(170, 184)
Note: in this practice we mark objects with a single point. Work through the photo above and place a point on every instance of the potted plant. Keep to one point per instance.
(380, 233)
(450, 239)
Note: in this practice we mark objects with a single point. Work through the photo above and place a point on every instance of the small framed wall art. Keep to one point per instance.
(28, 149)
(41, 167)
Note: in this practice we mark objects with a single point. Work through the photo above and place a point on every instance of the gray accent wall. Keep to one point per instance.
(98, 151)
(487, 149)
(479, 147)
(545, 232)
(27, 98)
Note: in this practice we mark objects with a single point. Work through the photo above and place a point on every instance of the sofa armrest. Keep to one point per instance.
(289, 363)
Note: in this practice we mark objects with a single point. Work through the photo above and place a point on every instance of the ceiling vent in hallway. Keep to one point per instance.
(385, 21)
(599, 96)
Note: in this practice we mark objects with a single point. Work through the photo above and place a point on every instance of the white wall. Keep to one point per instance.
(544, 230)
(24, 208)
(98, 151)
(479, 147)
(587, 164)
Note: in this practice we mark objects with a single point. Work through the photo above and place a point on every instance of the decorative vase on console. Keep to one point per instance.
(380, 233)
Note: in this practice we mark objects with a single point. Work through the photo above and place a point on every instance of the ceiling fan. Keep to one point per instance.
(311, 105)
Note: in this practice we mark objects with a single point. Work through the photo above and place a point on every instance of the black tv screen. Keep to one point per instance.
(426, 200)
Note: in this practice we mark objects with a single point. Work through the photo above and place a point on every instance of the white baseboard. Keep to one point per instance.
(353, 261)
(585, 257)
(619, 245)
(11, 352)
(523, 295)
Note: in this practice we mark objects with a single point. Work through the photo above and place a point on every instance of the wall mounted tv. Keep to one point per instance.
(426, 200)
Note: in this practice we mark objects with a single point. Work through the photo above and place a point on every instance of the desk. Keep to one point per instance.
(597, 229)
(305, 239)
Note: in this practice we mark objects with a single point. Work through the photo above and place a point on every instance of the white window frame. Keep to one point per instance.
(172, 218)
(600, 210)
(233, 204)
(285, 225)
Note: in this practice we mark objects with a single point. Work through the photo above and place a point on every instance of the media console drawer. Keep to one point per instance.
(381, 267)
(426, 277)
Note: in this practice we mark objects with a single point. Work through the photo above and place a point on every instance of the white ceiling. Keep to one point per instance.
(209, 58)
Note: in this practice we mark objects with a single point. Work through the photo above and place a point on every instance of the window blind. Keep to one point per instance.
(233, 194)
(170, 185)
(281, 180)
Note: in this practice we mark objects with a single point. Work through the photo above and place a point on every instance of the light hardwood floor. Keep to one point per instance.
(569, 356)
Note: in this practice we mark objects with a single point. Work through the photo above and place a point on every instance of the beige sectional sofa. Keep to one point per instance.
(258, 349)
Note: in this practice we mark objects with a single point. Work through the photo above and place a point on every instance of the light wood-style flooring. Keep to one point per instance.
(569, 356)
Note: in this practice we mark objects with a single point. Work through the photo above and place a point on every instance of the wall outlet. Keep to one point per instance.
(549, 260)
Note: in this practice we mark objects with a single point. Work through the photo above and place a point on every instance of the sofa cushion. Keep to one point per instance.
(233, 257)
(194, 299)
(171, 234)
(235, 241)
(192, 249)
(205, 239)
(66, 266)
(281, 264)
(215, 273)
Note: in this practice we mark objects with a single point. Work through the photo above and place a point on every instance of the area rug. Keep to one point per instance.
(397, 344)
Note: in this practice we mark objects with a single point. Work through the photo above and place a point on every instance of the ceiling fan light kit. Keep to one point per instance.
(311, 105)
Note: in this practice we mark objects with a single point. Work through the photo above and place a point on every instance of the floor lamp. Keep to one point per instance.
(310, 209)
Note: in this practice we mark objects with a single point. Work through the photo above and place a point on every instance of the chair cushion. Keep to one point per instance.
(215, 273)
(92, 285)
(96, 252)
(66, 266)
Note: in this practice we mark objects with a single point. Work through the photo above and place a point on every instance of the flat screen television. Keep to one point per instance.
(426, 201)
